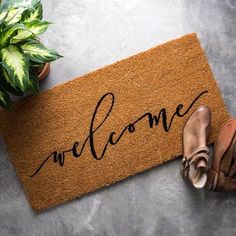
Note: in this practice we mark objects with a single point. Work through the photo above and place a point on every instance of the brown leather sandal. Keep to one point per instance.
(222, 174)
(196, 153)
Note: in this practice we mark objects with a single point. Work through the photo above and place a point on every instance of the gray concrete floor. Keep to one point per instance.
(91, 34)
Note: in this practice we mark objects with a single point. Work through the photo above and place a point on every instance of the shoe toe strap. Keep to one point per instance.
(198, 161)
(212, 179)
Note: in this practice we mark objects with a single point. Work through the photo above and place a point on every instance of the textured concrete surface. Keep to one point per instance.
(91, 34)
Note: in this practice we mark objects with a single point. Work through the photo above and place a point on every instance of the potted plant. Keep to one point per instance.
(23, 58)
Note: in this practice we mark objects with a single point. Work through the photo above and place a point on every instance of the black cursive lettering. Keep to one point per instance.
(153, 120)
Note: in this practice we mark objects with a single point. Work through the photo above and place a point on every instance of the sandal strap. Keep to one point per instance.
(232, 172)
(200, 153)
(212, 179)
(220, 182)
(200, 150)
(199, 156)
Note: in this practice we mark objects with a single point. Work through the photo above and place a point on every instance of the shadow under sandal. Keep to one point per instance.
(222, 174)
(196, 153)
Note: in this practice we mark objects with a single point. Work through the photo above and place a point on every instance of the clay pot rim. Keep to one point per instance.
(43, 74)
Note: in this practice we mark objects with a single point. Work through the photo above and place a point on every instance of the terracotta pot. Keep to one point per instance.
(44, 73)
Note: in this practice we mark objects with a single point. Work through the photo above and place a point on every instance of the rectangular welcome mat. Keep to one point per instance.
(111, 123)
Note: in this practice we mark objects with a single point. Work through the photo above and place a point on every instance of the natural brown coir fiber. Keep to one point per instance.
(111, 123)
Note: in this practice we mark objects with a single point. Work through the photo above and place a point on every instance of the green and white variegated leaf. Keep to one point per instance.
(16, 65)
(33, 84)
(37, 27)
(19, 4)
(8, 33)
(8, 85)
(37, 52)
(5, 101)
(3, 16)
(34, 14)
(22, 34)
(14, 15)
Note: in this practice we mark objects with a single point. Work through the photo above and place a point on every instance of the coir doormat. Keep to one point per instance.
(111, 123)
